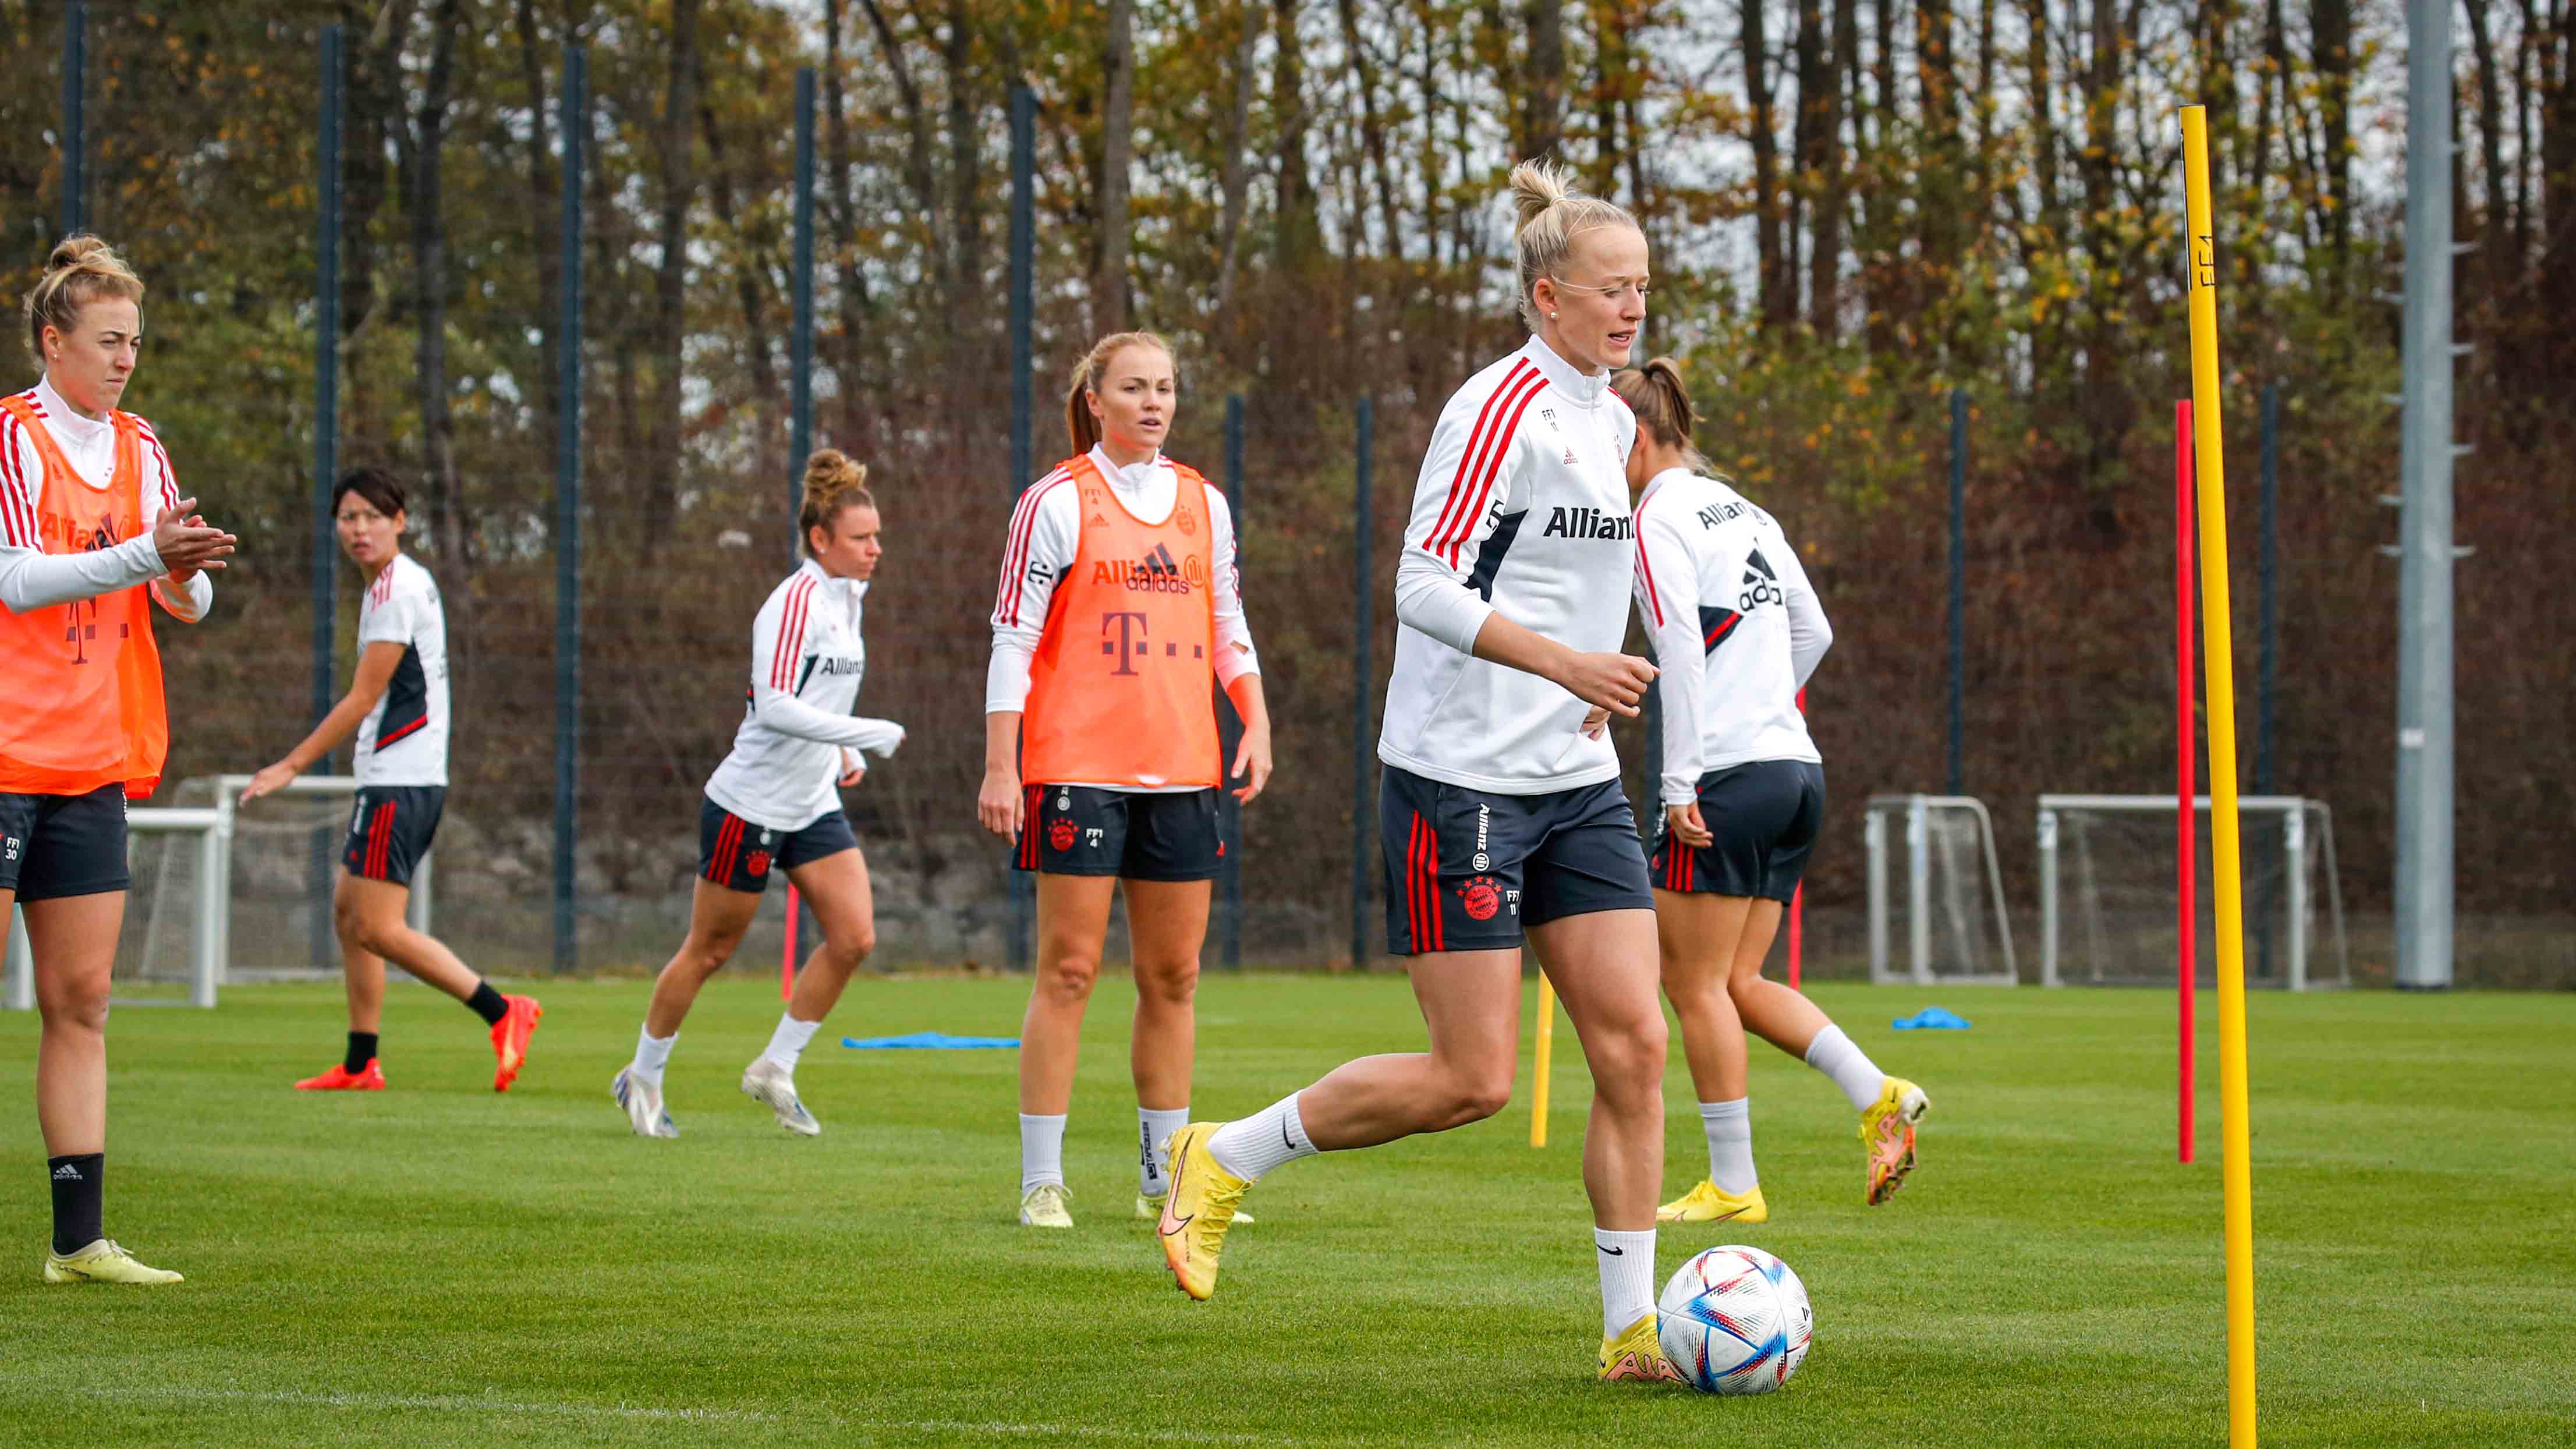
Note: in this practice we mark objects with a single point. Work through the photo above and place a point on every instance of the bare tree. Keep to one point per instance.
(1117, 158)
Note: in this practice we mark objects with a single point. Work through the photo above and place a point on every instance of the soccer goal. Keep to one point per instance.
(2109, 892)
(1956, 931)
(223, 893)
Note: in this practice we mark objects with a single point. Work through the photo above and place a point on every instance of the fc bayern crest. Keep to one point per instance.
(1061, 834)
(1189, 524)
(1481, 897)
(757, 862)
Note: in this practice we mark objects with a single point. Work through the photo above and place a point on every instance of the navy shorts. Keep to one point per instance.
(1130, 834)
(390, 830)
(737, 854)
(1466, 870)
(1765, 815)
(53, 846)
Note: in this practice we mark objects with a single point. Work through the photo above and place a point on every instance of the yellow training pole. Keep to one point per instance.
(2236, 1170)
(1546, 1038)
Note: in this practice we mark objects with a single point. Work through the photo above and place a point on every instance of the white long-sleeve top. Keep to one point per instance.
(1046, 533)
(31, 578)
(1736, 627)
(1521, 510)
(806, 664)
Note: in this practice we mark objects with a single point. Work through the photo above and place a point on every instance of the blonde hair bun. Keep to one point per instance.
(81, 269)
(833, 482)
(1552, 214)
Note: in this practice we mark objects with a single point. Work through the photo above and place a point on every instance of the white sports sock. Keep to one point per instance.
(1251, 1147)
(1838, 1057)
(1154, 1127)
(1041, 1151)
(788, 1042)
(652, 1054)
(1627, 1277)
(1730, 1143)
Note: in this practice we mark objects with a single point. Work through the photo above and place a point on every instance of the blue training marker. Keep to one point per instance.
(1931, 1018)
(927, 1041)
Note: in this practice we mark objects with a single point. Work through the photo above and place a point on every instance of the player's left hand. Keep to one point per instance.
(1252, 763)
(1686, 826)
(853, 769)
(269, 781)
(1596, 723)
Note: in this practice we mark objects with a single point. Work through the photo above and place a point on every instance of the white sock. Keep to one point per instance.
(652, 1053)
(1838, 1057)
(788, 1042)
(1251, 1147)
(1155, 1127)
(1041, 1151)
(1730, 1143)
(1627, 1277)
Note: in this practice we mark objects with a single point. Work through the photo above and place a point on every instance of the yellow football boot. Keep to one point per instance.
(1709, 1203)
(1198, 1210)
(1887, 1135)
(103, 1262)
(1149, 1208)
(1637, 1353)
(1046, 1205)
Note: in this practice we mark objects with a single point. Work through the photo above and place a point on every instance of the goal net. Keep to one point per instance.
(2110, 892)
(1936, 899)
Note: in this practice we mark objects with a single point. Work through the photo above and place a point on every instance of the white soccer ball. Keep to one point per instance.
(1735, 1320)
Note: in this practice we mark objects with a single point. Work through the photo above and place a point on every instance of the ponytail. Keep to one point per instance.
(1662, 404)
(1081, 429)
(1552, 215)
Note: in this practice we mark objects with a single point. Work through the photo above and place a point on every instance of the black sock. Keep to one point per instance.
(488, 1004)
(362, 1050)
(80, 1199)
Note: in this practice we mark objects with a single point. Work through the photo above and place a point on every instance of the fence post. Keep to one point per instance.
(1024, 243)
(75, 137)
(2267, 647)
(1958, 573)
(576, 133)
(1231, 725)
(800, 414)
(323, 947)
(1363, 677)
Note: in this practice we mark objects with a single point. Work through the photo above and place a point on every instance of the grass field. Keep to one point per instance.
(437, 1265)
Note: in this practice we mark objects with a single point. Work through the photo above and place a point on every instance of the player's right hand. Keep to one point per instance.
(187, 543)
(269, 781)
(999, 803)
(1616, 682)
(1683, 822)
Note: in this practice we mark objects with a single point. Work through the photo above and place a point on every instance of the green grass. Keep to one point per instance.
(437, 1265)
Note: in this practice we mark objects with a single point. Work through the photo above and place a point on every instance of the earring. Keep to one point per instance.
(1551, 316)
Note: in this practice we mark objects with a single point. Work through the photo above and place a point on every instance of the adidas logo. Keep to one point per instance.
(1761, 585)
(1157, 573)
(67, 1173)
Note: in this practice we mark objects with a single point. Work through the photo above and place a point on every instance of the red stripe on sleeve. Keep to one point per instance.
(791, 636)
(1493, 465)
(1458, 484)
(1646, 570)
(17, 510)
(1015, 556)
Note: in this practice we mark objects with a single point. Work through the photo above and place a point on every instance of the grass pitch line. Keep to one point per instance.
(444, 1403)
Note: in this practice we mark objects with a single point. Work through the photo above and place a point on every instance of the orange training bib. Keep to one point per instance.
(1122, 691)
(83, 706)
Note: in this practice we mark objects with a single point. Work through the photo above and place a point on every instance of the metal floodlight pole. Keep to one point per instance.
(1023, 306)
(800, 341)
(1233, 863)
(323, 946)
(2267, 641)
(1958, 575)
(2424, 762)
(75, 133)
(576, 134)
(1363, 675)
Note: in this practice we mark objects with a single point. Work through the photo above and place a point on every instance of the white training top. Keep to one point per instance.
(1522, 510)
(1046, 533)
(30, 578)
(403, 740)
(1736, 626)
(806, 662)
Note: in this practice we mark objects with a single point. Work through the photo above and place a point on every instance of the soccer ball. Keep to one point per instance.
(1735, 1320)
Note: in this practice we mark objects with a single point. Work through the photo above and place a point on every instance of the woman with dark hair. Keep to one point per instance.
(1119, 614)
(1737, 630)
(91, 524)
(397, 705)
(774, 802)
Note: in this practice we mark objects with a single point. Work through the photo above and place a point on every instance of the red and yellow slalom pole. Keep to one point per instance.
(2236, 1172)
(1546, 1040)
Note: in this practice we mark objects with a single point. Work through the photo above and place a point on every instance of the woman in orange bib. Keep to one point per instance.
(1119, 611)
(90, 520)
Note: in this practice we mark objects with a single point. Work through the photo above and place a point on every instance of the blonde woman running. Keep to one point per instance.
(91, 522)
(1737, 631)
(773, 803)
(1500, 812)
(1119, 613)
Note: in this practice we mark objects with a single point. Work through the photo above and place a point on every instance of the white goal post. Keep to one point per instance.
(1957, 932)
(213, 833)
(2109, 894)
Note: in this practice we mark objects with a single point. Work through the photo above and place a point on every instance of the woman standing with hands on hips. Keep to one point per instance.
(91, 522)
(1120, 609)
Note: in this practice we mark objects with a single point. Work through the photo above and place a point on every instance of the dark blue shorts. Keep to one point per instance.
(737, 854)
(53, 846)
(1130, 834)
(1467, 870)
(391, 829)
(1765, 815)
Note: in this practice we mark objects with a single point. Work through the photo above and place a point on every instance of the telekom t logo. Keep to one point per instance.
(1130, 644)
